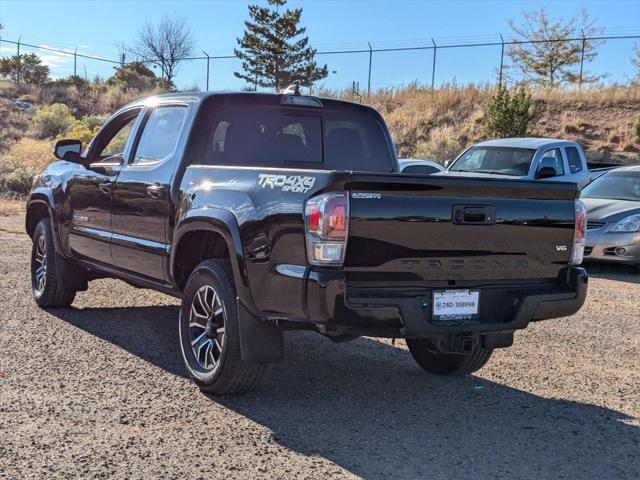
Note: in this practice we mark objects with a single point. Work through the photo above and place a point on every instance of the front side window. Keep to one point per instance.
(554, 155)
(573, 159)
(497, 160)
(112, 141)
(160, 136)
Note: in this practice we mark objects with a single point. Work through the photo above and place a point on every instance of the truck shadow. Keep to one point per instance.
(613, 271)
(368, 408)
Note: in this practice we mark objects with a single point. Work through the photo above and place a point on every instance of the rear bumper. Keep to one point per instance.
(334, 304)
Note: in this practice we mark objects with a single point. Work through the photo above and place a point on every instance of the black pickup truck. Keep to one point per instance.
(273, 212)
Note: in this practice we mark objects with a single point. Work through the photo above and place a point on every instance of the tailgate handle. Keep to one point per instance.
(474, 214)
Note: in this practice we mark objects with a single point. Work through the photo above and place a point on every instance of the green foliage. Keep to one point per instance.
(134, 75)
(72, 80)
(510, 115)
(52, 120)
(636, 127)
(26, 68)
(80, 131)
(272, 52)
(17, 182)
(552, 51)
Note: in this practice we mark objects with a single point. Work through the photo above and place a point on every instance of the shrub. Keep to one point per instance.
(52, 120)
(17, 182)
(636, 128)
(510, 115)
(134, 75)
(93, 121)
(80, 131)
(27, 153)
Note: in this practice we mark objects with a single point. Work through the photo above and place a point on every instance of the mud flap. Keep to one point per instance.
(70, 275)
(260, 342)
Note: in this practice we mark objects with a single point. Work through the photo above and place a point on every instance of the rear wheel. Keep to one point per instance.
(448, 363)
(209, 335)
(47, 290)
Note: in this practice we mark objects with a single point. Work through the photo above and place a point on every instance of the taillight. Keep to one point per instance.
(580, 234)
(327, 225)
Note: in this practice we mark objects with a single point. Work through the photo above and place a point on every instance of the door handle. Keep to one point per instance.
(155, 191)
(106, 187)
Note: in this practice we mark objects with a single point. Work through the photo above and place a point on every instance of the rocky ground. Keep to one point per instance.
(99, 390)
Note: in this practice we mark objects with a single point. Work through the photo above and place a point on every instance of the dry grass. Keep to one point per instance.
(28, 153)
(10, 206)
(600, 119)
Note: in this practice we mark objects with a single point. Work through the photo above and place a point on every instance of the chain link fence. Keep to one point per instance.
(362, 68)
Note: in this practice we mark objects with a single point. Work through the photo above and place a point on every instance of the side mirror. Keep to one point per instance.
(69, 150)
(447, 163)
(547, 168)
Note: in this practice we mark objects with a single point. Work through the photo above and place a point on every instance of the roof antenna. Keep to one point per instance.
(291, 90)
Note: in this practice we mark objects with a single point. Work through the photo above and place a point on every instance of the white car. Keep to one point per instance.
(525, 159)
(419, 167)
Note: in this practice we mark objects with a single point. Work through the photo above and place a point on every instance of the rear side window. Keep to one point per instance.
(276, 136)
(160, 136)
(574, 160)
(555, 155)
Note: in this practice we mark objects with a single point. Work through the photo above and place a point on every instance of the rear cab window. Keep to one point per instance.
(275, 135)
(573, 159)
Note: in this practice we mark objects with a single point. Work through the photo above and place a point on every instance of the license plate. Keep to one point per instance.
(455, 304)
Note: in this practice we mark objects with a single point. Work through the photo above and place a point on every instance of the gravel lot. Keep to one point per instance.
(99, 390)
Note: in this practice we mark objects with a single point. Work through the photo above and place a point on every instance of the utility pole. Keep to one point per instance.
(207, 68)
(501, 60)
(433, 68)
(369, 81)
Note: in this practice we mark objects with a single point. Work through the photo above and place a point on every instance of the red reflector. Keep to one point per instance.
(314, 218)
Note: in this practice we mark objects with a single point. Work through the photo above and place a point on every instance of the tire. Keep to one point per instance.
(211, 350)
(47, 290)
(448, 363)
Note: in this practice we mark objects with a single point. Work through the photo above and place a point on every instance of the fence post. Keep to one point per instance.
(207, 69)
(75, 61)
(122, 60)
(19, 62)
(433, 68)
(582, 59)
(369, 81)
(501, 60)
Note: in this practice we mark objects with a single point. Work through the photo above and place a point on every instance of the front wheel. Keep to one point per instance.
(209, 335)
(48, 291)
(448, 363)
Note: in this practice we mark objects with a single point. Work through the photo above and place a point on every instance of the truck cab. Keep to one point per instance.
(524, 158)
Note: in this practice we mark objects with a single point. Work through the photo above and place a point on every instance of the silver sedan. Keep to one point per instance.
(613, 217)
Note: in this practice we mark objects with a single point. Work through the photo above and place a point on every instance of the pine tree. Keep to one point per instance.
(273, 53)
(551, 51)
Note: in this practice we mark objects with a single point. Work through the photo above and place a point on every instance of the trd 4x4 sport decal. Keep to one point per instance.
(286, 183)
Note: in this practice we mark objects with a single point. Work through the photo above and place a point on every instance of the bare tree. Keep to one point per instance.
(635, 60)
(551, 52)
(165, 45)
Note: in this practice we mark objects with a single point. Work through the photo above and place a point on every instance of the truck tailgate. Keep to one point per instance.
(407, 228)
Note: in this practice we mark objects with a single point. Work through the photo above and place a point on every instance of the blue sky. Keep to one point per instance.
(98, 27)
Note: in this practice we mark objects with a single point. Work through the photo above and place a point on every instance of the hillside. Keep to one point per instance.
(433, 124)
(437, 124)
